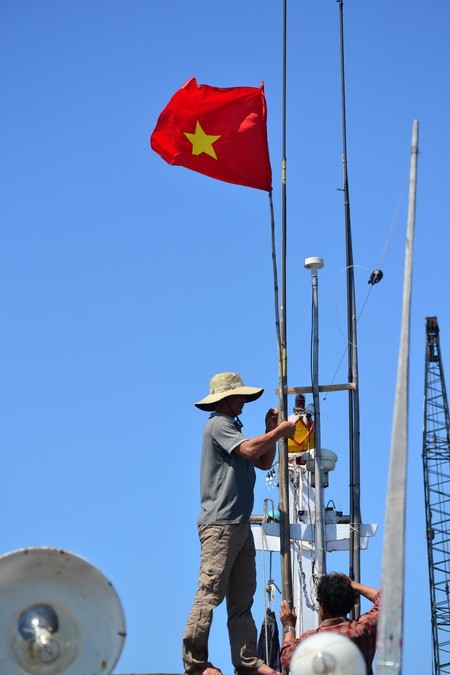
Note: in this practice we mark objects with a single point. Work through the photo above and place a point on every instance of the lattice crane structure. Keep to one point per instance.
(436, 469)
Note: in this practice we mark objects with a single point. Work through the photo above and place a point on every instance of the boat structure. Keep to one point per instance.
(305, 527)
(299, 528)
(309, 490)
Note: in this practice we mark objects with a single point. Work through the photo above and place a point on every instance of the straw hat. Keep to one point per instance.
(227, 384)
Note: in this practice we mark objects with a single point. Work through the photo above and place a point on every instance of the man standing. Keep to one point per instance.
(227, 565)
(336, 596)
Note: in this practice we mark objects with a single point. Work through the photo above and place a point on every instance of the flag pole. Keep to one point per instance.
(285, 549)
(353, 376)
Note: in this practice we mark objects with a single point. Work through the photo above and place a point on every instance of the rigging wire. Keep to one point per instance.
(275, 273)
(268, 645)
(263, 562)
(378, 265)
(393, 222)
(298, 497)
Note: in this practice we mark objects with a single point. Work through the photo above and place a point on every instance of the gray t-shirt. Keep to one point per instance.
(226, 479)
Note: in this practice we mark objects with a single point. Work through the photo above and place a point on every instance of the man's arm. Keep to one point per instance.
(288, 618)
(367, 591)
(260, 450)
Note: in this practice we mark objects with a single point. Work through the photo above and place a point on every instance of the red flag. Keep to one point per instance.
(220, 132)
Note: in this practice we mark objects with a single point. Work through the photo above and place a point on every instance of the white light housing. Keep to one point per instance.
(328, 460)
(58, 614)
(327, 653)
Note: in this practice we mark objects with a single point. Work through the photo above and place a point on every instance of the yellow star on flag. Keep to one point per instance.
(202, 142)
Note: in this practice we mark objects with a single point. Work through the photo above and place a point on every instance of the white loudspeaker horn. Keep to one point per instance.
(58, 614)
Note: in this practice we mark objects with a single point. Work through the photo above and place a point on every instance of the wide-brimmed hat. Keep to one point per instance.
(227, 384)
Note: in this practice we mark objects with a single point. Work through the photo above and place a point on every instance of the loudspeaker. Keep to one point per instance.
(58, 614)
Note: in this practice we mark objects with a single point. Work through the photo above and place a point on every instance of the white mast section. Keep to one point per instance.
(314, 264)
(390, 628)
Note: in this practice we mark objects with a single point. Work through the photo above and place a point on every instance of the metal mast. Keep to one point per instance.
(286, 570)
(353, 376)
(436, 470)
(315, 264)
(390, 624)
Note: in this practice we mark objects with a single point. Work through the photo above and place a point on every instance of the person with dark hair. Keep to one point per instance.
(336, 595)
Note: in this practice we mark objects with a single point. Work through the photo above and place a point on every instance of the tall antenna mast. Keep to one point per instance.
(315, 264)
(286, 568)
(353, 394)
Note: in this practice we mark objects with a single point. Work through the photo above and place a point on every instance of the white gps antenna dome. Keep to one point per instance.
(58, 614)
(327, 653)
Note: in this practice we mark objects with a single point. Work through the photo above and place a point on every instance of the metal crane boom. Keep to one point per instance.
(436, 469)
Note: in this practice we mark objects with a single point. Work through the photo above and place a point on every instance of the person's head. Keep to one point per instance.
(335, 595)
(231, 405)
(227, 392)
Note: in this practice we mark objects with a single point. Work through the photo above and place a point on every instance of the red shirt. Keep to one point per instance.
(362, 631)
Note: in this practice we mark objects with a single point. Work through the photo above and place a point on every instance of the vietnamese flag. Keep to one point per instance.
(220, 132)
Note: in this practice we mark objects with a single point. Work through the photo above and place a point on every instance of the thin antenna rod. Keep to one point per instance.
(315, 264)
(285, 547)
(353, 395)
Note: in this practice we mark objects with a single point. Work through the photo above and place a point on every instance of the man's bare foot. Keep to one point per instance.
(210, 671)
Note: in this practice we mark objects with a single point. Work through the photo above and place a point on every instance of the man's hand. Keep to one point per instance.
(367, 591)
(287, 427)
(271, 419)
(260, 450)
(288, 617)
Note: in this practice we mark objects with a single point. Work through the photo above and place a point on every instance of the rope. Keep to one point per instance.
(275, 275)
(263, 552)
(388, 236)
(269, 591)
(298, 483)
(377, 266)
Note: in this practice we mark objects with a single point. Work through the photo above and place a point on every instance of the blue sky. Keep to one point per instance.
(127, 283)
